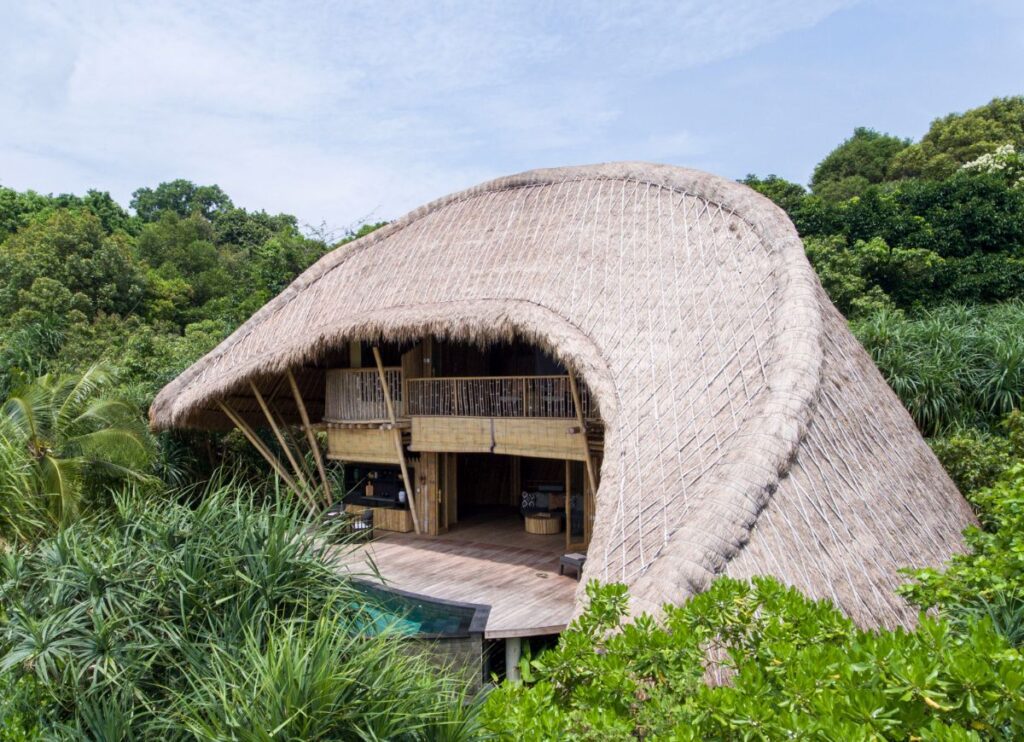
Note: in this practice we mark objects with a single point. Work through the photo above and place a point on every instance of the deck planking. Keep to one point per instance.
(489, 560)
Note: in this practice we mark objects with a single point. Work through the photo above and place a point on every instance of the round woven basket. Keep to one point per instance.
(543, 526)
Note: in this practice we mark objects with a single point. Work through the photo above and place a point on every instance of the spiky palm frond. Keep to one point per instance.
(953, 367)
(224, 620)
(71, 431)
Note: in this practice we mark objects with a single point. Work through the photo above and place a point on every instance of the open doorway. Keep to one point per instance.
(488, 485)
(526, 496)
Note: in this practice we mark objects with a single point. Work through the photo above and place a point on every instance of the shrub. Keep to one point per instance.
(219, 622)
(975, 459)
(954, 367)
(21, 714)
(797, 669)
(989, 580)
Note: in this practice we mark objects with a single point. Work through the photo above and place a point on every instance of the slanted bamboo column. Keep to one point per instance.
(293, 440)
(265, 452)
(279, 435)
(591, 473)
(398, 439)
(310, 436)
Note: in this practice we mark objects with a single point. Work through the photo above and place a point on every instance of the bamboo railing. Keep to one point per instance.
(355, 395)
(496, 396)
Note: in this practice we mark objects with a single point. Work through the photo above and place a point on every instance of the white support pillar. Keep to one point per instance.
(513, 651)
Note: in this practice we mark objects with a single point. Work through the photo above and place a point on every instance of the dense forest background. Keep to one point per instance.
(919, 243)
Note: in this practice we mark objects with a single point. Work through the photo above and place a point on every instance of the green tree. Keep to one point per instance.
(16, 209)
(110, 213)
(863, 159)
(250, 229)
(182, 197)
(959, 138)
(75, 437)
(845, 276)
(71, 248)
(187, 268)
(786, 194)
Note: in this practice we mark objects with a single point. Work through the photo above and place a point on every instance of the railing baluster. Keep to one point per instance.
(501, 396)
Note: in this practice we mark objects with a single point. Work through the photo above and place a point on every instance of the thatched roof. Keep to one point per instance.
(746, 430)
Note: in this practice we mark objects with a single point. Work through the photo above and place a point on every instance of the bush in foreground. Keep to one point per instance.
(796, 668)
(218, 622)
(989, 580)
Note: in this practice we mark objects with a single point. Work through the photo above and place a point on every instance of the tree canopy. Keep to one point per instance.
(863, 159)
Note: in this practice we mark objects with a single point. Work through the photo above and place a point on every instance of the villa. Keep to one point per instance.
(631, 363)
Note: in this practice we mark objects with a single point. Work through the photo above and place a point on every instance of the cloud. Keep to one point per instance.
(337, 110)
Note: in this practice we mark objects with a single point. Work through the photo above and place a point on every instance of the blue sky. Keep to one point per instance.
(340, 112)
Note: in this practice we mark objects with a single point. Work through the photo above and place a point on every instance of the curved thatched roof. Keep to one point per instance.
(746, 431)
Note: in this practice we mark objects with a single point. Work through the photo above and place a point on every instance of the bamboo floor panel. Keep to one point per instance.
(490, 561)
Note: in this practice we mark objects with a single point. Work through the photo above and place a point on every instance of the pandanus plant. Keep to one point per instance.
(65, 430)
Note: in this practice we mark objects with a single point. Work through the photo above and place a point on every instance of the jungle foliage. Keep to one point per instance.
(218, 619)
(793, 669)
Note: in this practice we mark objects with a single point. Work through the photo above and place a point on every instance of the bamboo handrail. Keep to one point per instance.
(496, 396)
(487, 378)
(397, 434)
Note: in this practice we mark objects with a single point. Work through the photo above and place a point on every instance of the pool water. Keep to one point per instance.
(413, 615)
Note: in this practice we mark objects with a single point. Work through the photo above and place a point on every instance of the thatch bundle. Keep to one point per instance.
(746, 431)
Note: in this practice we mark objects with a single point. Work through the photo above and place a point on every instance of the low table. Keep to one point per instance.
(574, 561)
(543, 524)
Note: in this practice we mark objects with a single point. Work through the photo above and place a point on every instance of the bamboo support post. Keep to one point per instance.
(265, 452)
(310, 436)
(292, 440)
(397, 433)
(278, 434)
(591, 474)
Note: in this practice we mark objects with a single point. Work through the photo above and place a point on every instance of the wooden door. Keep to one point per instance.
(579, 506)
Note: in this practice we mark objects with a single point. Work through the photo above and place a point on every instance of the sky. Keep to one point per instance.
(343, 112)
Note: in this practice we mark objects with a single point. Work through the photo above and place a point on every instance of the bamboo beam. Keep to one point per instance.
(591, 473)
(397, 433)
(278, 435)
(310, 436)
(292, 440)
(251, 436)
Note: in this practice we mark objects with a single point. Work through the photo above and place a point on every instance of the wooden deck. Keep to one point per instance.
(485, 560)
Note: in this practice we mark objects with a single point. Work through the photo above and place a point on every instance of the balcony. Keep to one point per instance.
(355, 396)
(511, 415)
(495, 396)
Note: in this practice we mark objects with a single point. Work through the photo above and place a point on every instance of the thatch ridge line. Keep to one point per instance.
(673, 180)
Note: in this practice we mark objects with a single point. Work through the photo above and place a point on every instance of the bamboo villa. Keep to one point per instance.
(629, 362)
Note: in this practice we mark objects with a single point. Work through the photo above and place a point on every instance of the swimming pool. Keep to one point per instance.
(420, 616)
